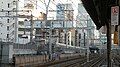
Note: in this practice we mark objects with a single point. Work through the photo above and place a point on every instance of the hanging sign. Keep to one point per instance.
(114, 15)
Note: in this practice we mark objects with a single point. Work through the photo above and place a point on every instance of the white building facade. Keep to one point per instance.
(13, 14)
(7, 20)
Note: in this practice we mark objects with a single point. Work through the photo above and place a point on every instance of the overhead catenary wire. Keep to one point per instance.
(66, 13)
(46, 5)
(36, 4)
(79, 11)
(50, 7)
(73, 18)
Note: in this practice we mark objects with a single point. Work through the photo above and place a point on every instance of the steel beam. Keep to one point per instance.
(109, 45)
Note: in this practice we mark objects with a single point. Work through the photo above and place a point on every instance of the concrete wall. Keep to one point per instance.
(6, 52)
(24, 51)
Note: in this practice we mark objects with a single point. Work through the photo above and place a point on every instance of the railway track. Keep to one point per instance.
(116, 60)
(80, 62)
(76, 61)
(60, 62)
(96, 62)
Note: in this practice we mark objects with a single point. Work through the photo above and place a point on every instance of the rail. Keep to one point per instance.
(96, 62)
(80, 62)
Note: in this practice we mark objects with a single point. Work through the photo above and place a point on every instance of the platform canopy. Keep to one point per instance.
(99, 10)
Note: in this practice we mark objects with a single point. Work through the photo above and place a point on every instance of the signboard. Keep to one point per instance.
(114, 15)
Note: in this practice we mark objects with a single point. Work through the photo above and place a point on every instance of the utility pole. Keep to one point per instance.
(1, 50)
(50, 35)
(87, 45)
(16, 23)
(31, 31)
(109, 44)
(88, 34)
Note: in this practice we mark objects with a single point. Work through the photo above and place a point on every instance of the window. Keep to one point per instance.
(2, 9)
(20, 22)
(8, 12)
(7, 20)
(79, 36)
(7, 27)
(14, 2)
(7, 35)
(68, 36)
(8, 5)
(13, 32)
(14, 9)
(1, 17)
(13, 25)
(20, 29)
(1, 25)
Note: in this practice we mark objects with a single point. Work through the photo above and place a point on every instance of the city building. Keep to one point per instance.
(64, 12)
(87, 26)
(14, 14)
(7, 20)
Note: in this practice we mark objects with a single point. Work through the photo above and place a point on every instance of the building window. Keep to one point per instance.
(79, 36)
(8, 5)
(2, 9)
(14, 2)
(13, 25)
(8, 12)
(68, 37)
(1, 17)
(14, 9)
(7, 35)
(7, 20)
(13, 32)
(1, 25)
(7, 27)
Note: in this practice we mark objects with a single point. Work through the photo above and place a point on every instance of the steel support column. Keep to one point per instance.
(31, 31)
(16, 23)
(109, 45)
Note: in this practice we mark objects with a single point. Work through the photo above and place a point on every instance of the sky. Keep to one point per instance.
(53, 3)
(40, 6)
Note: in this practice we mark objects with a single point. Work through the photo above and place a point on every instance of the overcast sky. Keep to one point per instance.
(53, 4)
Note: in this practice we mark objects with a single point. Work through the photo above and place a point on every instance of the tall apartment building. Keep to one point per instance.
(64, 12)
(88, 26)
(7, 21)
(73, 37)
(24, 27)
(14, 14)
